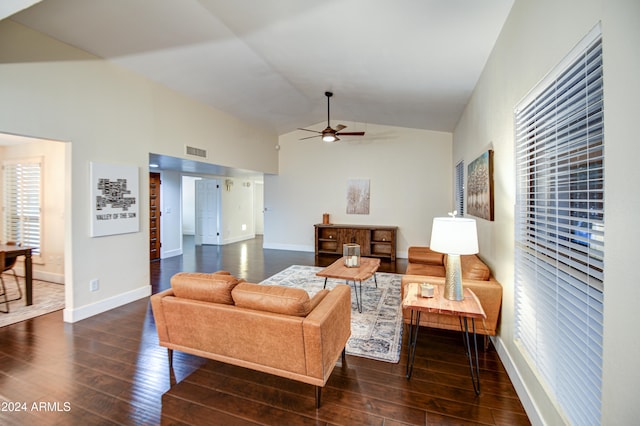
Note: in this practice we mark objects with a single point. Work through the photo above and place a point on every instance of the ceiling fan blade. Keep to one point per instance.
(350, 134)
(340, 127)
(308, 130)
(310, 137)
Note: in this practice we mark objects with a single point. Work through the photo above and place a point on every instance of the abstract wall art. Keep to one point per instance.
(358, 196)
(114, 199)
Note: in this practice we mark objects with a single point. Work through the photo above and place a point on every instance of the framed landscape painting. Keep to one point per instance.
(480, 186)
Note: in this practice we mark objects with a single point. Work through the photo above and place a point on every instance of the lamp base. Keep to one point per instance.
(453, 280)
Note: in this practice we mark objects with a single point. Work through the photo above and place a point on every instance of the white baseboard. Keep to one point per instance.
(51, 277)
(238, 239)
(528, 403)
(171, 253)
(83, 312)
(292, 247)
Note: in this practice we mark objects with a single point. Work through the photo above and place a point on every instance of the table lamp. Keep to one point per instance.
(454, 237)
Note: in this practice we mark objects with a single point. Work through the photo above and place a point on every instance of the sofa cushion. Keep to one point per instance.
(214, 288)
(272, 298)
(425, 255)
(473, 268)
(315, 300)
(424, 269)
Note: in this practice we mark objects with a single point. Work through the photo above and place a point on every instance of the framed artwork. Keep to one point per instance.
(114, 199)
(358, 196)
(480, 186)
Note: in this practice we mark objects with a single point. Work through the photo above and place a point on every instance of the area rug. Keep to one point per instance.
(47, 297)
(376, 333)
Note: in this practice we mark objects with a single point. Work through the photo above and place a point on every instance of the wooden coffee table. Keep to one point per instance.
(338, 270)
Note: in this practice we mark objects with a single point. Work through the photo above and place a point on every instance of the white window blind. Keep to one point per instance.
(22, 192)
(460, 188)
(559, 267)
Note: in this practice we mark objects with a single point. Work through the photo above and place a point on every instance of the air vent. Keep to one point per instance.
(198, 152)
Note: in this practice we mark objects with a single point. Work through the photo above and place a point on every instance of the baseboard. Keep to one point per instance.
(292, 247)
(237, 239)
(51, 277)
(83, 312)
(171, 253)
(529, 404)
(295, 247)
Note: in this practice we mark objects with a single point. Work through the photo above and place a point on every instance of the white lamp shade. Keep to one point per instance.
(454, 235)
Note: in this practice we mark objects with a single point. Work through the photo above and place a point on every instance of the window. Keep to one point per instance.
(22, 194)
(559, 267)
(459, 196)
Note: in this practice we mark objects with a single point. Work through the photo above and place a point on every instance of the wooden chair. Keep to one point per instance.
(4, 289)
(8, 265)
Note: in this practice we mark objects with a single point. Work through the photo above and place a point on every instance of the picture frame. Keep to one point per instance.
(114, 199)
(358, 196)
(480, 193)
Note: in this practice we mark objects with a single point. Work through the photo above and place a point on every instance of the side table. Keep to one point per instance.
(469, 308)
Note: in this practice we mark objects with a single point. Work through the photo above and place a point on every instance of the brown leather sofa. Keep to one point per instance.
(273, 329)
(425, 265)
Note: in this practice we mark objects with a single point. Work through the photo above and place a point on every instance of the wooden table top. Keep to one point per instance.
(14, 249)
(470, 307)
(368, 267)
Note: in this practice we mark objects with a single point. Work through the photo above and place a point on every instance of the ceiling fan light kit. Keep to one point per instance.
(329, 134)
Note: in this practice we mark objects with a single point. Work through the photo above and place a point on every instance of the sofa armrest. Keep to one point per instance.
(158, 315)
(326, 331)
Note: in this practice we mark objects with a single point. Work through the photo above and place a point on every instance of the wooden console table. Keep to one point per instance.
(374, 241)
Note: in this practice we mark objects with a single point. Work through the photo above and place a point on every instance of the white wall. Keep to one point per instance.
(536, 37)
(410, 176)
(171, 218)
(49, 266)
(54, 91)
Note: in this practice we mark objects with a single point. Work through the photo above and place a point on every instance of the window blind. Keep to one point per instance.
(559, 251)
(22, 188)
(460, 188)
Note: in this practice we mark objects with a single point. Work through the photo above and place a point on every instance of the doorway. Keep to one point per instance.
(154, 216)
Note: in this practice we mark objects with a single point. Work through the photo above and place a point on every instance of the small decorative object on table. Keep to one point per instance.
(325, 219)
(426, 290)
(351, 253)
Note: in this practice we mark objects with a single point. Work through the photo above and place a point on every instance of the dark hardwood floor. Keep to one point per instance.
(109, 369)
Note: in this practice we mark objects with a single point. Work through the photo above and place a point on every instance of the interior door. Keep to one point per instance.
(207, 208)
(154, 216)
(258, 196)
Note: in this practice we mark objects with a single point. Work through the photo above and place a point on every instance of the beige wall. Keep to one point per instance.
(536, 37)
(410, 177)
(107, 114)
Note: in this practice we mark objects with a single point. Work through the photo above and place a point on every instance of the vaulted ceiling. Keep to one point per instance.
(409, 63)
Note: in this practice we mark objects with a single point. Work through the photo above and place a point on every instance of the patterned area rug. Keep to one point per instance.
(376, 333)
(47, 297)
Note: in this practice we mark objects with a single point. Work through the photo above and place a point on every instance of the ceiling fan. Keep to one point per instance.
(329, 134)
